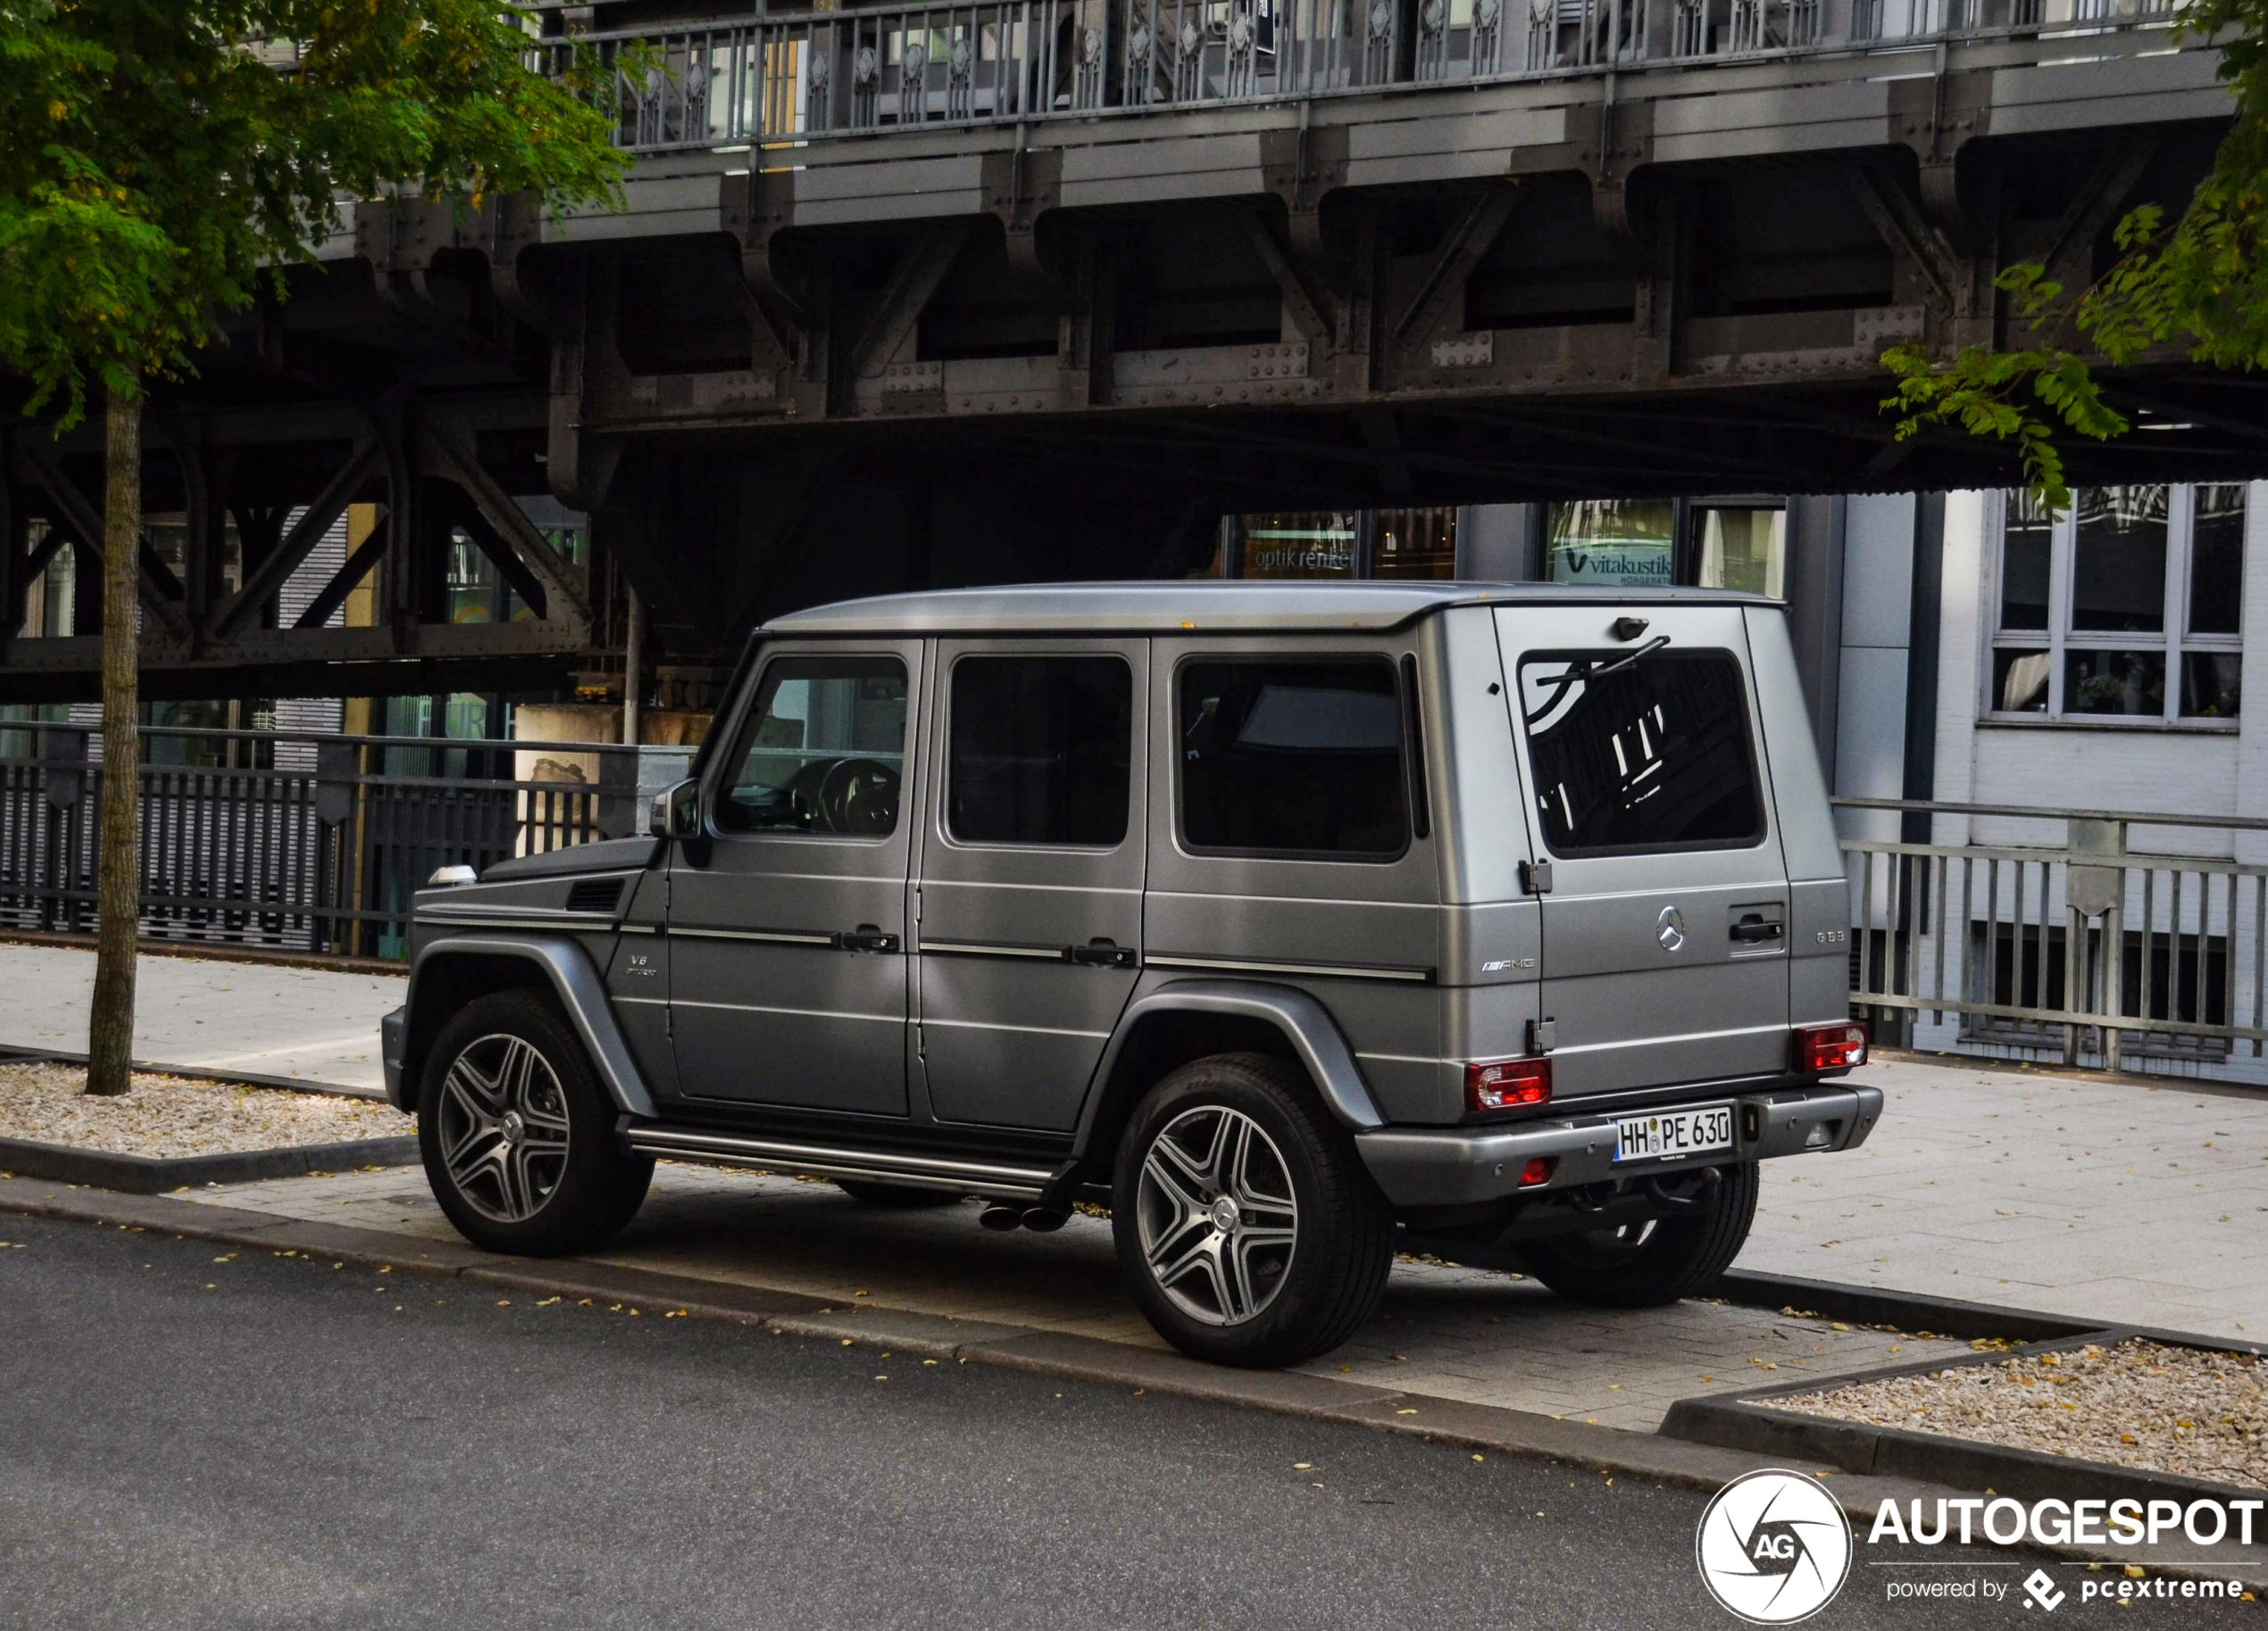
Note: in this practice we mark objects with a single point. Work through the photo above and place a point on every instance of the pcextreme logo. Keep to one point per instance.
(1773, 1547)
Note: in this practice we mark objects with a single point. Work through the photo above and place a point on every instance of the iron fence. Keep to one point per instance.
(2065, 938)
(790, 77)
(298, 841)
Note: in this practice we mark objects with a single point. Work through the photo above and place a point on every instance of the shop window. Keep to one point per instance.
(1741, 547)
(1416, 542)
(1612, 541)
(2128, 608)
(1310, 543)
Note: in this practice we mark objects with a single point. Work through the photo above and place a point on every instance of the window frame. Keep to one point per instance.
(1299, 657)
(1752, 754)
(719, 779)
(2060, 639)
(1134, 770)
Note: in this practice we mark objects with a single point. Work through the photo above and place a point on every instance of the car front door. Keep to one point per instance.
(788, 981)
(1031, 890)
(1666, 921)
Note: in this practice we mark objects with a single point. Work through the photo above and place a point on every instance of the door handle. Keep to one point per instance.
(1102, 954)
(1753, 930)
(867, 937)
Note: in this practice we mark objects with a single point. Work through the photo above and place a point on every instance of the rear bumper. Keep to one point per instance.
(393, 1030)
(1443, 1167)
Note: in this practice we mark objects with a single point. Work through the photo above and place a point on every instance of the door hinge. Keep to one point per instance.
(1543, 1036)
(1534, 877)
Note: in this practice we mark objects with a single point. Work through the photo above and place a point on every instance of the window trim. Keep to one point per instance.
(1752, 748)
(2059, 639)
(1134, 771)
(1306, 656)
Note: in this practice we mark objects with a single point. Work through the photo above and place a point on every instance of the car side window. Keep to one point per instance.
(822, 751)
(1041, 750)
(1293, 758)
(1639, 756)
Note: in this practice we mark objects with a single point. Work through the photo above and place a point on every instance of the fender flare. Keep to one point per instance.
(1305, 1023)
(568, 971)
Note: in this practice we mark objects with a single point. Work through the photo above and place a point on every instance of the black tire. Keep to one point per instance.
(538, 1169)
(1303, 1300)
(898, 1197)
(1672, 1258)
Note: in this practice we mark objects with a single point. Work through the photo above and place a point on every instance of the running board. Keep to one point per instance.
(985, 1178)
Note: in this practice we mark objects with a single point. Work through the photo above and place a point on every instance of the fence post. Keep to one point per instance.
(2095, 887)
(618, 794)
(63, 754)
(335, 767)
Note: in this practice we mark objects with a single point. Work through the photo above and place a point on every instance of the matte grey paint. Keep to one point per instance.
(568, 969)
(1305, 1023)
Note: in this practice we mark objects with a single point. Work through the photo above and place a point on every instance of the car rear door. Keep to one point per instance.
(1665, 915)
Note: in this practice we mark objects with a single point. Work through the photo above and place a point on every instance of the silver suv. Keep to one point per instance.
(1269, 915)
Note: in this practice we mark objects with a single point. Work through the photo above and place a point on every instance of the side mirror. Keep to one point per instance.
(676, 812)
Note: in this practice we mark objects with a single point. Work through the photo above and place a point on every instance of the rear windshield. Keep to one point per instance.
(1633, 757)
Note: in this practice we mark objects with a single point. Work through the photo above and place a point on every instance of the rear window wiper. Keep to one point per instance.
(1584, 670)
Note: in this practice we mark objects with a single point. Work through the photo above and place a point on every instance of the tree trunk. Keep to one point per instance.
(110, 1038)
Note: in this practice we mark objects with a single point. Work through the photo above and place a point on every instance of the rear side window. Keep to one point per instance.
(1631, 757)
(1042, 750)
(1293, 758)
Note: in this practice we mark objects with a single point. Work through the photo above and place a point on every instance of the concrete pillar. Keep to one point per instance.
(1500, 543)
(1814, 590)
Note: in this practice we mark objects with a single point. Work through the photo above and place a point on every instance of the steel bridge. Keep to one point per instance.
(1038, 289)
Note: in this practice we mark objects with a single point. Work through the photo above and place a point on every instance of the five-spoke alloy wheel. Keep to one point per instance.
(516, 1132)
(1244, 1217)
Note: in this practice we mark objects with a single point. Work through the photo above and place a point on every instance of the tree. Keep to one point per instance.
(2200, 282)
(163, 160)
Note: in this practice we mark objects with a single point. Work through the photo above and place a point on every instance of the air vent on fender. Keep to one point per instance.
(594, 895)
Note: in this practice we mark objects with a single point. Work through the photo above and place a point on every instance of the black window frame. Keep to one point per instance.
(1750, 757)
(718, 779)
(1134, 771)
(1387, 661)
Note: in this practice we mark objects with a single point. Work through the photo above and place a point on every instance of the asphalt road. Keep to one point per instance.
(194, 1436)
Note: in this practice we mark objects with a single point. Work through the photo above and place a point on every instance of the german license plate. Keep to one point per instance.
(1662, 1134)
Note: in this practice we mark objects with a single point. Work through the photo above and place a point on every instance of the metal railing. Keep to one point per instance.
(791, 76)
(299, 841)
(2072, 942)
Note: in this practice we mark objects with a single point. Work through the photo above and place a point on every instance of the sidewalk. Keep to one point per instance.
(253, 1019)
(2105, 1201)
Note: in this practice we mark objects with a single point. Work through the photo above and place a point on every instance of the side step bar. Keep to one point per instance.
(987, 1178)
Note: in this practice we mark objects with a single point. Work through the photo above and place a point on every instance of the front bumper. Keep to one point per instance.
(1459, 1167)
(393, 1031)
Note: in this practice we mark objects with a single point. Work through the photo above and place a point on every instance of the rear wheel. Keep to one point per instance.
(518, 1135)
(1645, 1265)
(1244, 1217)
(904, 1197)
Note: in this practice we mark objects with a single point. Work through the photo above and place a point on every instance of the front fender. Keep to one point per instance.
(566, 970)
(1303, 1021)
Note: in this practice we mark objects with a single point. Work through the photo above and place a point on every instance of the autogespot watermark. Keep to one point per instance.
(1774, 1547)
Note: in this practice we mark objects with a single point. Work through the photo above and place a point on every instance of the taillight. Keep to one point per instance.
(1508, 1082)
(1815, 1048)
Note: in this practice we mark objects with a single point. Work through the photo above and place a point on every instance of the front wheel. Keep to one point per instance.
(1244, 1217)
(518, 1135)
(1646, 1265)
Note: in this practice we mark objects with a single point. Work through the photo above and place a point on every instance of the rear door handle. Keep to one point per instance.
(1102, 954)
(867, 937)
(1753, 930)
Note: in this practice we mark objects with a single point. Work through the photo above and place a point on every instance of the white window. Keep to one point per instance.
(2126, 608)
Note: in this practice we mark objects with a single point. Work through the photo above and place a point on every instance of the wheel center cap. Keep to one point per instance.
(1224, 1213)
(512, 1127)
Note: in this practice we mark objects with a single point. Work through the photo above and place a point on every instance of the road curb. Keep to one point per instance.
(1743, 1421)
(11, 1053)
(144, 1175)
(1677, 1461)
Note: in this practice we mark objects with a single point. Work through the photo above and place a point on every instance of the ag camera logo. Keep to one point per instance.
(1773, 1547)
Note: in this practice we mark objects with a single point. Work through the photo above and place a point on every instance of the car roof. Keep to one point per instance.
(1215, 606)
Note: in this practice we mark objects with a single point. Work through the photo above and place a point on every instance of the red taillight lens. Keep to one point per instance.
(1506, 1083)
(1828, 1047)
(1537, 1171)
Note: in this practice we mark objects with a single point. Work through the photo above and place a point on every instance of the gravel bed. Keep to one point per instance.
(2140, 1404)
(169, 1116)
